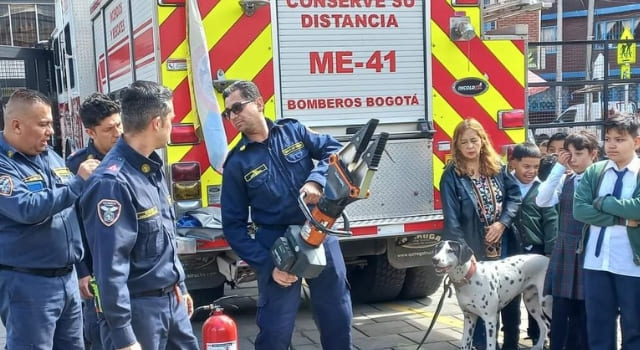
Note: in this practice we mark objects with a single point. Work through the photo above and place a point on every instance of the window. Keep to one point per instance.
(26, 24)
(23, 25)
(5, 32)
(612, 30)
(46, 21)
(548, 34)
(488, 26)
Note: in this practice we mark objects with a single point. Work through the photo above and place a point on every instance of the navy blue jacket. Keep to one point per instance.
(129, 223)
(38, 226)
(461, 219)
(79, 156)
(85, 267)
(267, 176)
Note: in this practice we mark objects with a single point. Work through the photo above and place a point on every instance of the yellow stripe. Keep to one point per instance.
(218, 22)
(250, 63)
(452, 59)
(512, 58)
(438, 170)
(444, 114)
(164, 12)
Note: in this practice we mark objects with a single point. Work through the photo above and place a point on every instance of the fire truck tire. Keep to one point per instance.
(420, 282)
(377, 281)
(203, 297)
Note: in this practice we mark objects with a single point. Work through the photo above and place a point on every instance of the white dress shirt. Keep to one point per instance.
(616, 255)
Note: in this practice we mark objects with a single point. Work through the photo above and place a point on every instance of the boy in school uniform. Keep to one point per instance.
(608, 199)
(537, 226)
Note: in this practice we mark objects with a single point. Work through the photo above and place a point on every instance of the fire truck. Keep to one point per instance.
(419, 67)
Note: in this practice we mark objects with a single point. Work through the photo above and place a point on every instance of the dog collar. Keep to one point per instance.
(468, 275)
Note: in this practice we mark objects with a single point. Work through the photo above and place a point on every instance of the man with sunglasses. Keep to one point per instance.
(267, 170)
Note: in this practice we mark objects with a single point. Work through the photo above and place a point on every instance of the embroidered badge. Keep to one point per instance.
(6, 185)
(62, 172)
(109, 211)
(295, 147)
(255, 172)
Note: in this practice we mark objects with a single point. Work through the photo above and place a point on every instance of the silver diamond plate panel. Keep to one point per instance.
(403, 185)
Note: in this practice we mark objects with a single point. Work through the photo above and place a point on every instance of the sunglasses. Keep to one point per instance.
(235, 108)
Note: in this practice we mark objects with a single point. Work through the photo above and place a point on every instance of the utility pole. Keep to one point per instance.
(559, 30)
(588, 66)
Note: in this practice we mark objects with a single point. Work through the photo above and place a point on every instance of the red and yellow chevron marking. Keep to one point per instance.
(239, 46)
(500, 62)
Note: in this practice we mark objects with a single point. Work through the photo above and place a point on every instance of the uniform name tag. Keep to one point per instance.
(295, 147)
(255, 172)
(62, 172)
(145, 214)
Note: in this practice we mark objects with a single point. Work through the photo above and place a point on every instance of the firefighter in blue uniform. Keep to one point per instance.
(101, 118)
(268, 169)
(141, 293)
(39, 233)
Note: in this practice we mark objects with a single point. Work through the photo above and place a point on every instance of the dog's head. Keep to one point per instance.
(449, 254)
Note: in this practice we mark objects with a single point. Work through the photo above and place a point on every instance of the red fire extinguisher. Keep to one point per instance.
(219, 331)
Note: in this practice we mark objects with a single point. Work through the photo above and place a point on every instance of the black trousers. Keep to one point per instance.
(568, 324)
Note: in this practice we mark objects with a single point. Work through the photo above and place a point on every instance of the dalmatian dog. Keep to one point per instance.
(483, 288)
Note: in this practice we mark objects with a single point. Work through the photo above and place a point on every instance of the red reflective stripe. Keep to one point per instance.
(264, 80)
(143, 45)
(142, 26)
(364, 231)
(465, 106)
(115, 45)
(173, 32)
(118, 60)
(198, 153)
(506, 84)
(237, 39)
(206, 6)
(119, 74)
(143, 63)
(424, 226)
(181, 100)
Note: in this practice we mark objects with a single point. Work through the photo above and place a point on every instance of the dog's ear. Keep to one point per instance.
(465, 252)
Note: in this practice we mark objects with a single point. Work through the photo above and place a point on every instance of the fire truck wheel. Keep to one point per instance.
(420, 282)
(205, 297)
(377, 281)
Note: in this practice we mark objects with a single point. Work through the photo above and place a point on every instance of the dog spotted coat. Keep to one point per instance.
(485, 291)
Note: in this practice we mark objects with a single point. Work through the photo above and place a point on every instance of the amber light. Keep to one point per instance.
(186, 191)
(183, 134)
(185, 171)
(512, 119)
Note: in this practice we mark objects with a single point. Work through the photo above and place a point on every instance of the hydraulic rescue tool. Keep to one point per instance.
(349, 175)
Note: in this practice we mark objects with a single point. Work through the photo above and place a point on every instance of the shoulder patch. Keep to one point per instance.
(6, 185)
(109, 211)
